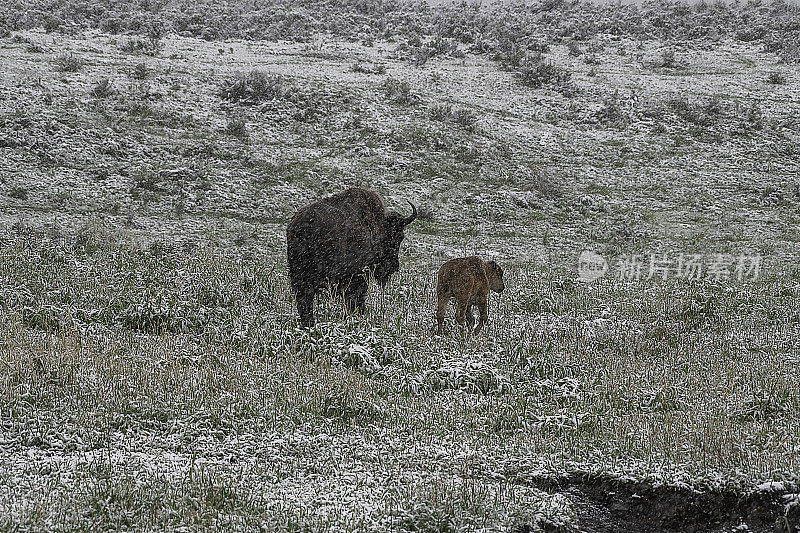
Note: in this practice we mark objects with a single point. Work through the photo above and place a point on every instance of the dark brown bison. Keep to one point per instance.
(468, 280)
(340, 241)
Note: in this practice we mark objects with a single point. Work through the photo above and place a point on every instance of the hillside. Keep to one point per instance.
(154, 376)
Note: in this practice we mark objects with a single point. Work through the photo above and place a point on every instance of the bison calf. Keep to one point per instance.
(468, 280)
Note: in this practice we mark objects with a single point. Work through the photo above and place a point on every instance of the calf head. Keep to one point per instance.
(495, 275)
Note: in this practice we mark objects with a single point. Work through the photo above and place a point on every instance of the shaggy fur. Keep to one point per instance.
(339, 242)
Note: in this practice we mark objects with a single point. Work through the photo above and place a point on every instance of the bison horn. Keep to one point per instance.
(410, 219)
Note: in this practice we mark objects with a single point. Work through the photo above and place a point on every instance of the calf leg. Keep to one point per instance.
(470, 317)
(461, 311)
(441, 307)
(483, 308)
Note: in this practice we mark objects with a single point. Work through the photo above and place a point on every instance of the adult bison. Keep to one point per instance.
(338, 242)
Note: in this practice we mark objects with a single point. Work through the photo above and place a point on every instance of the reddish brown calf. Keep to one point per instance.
(468, 280)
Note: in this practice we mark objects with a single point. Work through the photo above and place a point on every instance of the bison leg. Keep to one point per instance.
(305, 308)
(483, 308)
(355, 294)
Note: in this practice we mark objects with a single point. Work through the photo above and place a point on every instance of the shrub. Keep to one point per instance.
(140, 72)
(103, 89)
(440, 112)
(68, 63)
(536, 72)
(150, 46)
(18, 192)
(464, 117)
(253, 87)
(776, 78)
(237, 127)
(399, 92)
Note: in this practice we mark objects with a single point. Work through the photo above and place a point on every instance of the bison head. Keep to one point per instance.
(393, 234)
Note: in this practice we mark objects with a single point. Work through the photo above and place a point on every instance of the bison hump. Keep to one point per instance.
(360, 204)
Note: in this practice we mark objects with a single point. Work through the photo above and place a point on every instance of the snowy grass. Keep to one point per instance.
(151, 370)
(179, 383)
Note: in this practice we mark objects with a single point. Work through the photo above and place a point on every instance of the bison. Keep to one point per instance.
(340, 241)
(469, 280)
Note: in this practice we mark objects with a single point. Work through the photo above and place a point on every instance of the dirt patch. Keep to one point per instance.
(607, 505)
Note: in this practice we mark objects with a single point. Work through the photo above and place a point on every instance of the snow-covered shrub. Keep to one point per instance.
(399, 92)
(103, 88)
(68, 63)
(440, 112)
(237, 127)
(464, 117)
(253, 87)
(474, 377)
(149, 46)
(536, 72)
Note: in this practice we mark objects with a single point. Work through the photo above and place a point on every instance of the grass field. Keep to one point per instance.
(152, 372)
